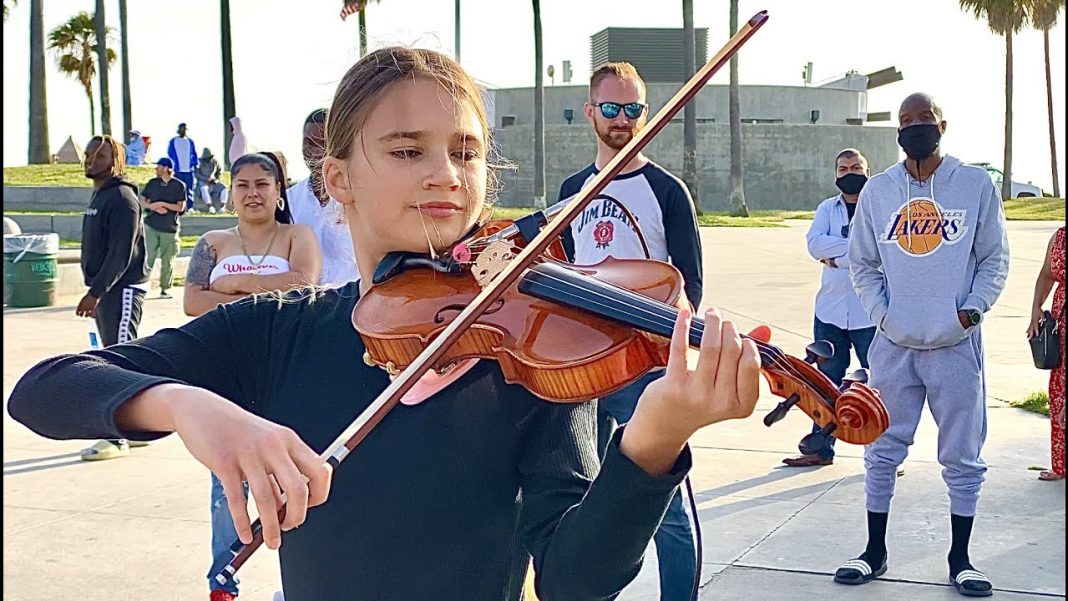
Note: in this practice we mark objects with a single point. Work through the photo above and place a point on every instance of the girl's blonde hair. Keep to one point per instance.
(365, 83)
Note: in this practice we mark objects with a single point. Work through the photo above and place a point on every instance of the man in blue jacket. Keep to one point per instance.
(929, 256)
(183, 154)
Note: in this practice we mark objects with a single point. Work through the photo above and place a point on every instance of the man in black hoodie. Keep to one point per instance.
(113, 259)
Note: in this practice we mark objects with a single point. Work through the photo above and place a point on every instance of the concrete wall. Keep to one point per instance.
(791, 104)
(786, 166)
(69, 227)
(44, 198)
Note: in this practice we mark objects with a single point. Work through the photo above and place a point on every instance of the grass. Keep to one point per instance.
(1036, 402)
(72, 176)
(187, 242)
(1034, 209)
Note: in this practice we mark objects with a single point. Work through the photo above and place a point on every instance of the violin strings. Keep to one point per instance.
(666, 317)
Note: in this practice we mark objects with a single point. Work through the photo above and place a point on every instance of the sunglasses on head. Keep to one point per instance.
(610, 110)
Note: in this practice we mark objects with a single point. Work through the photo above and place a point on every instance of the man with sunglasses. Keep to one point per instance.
(664, 211)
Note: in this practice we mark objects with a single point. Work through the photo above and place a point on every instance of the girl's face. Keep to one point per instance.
(255, 192)
(416, 176)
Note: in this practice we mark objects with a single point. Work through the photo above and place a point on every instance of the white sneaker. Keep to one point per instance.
(211, 210)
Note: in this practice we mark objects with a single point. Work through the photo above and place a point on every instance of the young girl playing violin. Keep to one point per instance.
(448, 497)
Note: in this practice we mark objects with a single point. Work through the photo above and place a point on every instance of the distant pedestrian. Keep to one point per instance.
(209, 186)
(183, 154)
(839, 317)
(113, 260)
(135, 149)
(163, 198)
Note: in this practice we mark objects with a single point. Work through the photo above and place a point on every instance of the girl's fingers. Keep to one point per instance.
(262, 490)
(711, 345)
(748, 377)
(725, 384)
(234, 490)
(676, 364)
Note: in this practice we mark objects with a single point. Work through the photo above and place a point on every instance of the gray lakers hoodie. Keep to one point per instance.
(919, 252)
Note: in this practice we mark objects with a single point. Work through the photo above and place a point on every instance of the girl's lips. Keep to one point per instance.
(438, 210)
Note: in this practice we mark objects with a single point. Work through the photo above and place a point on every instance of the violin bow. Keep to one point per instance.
(354, 434)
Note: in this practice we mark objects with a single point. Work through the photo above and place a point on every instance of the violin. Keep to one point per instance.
(570, 333)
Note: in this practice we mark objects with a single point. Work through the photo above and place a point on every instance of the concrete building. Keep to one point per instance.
(653, 52)
(791, 135)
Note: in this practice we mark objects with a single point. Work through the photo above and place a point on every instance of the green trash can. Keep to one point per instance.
(31, 271)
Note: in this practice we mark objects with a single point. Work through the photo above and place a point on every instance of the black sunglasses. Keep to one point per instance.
(610, 110)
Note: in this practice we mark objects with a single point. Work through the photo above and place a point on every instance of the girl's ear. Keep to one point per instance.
(336, 180)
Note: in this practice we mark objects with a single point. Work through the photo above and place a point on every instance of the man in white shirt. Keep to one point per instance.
(840, 318)
(311, 206)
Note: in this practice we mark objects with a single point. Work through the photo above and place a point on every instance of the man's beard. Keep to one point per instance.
(100, 174)
(617, 138)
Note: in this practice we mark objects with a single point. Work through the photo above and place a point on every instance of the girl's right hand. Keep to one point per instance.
(1037, 319)
(238, 446)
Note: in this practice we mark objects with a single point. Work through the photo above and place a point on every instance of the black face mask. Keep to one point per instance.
(851, 183)
(919, 141)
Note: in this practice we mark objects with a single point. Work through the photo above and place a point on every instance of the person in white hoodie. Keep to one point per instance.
(238, 144)
(929, 256)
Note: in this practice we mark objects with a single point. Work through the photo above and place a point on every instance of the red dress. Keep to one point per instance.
(1056, 377)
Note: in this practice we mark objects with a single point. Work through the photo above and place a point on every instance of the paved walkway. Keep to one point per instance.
(769, 532)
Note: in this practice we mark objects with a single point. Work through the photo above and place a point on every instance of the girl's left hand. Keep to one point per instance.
(725, 385)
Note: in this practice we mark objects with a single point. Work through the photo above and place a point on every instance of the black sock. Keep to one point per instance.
(875, 552)
(958, 552)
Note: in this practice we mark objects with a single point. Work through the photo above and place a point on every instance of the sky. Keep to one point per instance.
(289, 56)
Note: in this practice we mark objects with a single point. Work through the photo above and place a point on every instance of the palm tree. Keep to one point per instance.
(1043, 18)
(99, 18)
(124, 41)
(74, 46)
(15, 3)
(229, 102)
(38, 142)
(1003, 17)
(539, 113)
(689, 112)
(456, 34)
(358, 6)
(738, 206)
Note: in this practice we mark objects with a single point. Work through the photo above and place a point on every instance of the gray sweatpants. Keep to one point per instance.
(953, 382)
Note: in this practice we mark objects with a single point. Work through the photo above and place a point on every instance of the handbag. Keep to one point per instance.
(1046, 347)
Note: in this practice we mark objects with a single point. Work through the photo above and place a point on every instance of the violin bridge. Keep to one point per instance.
(492, 261)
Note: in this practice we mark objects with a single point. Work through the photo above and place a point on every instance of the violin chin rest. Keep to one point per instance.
(761, 333)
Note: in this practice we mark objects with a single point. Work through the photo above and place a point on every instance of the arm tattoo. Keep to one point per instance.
(201, 262)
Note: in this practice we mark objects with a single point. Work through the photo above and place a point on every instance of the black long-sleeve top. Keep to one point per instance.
(113, 238)
(446, 499)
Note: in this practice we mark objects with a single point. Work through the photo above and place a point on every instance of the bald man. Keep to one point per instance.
(928, 258)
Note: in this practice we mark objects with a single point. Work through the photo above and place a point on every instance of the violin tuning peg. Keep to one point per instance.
(780, 410)
(819, 352)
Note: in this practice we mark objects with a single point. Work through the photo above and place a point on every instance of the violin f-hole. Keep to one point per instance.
(439, 317)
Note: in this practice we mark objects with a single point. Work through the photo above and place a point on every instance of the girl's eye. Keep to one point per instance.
(467, 154)
(405, 153)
